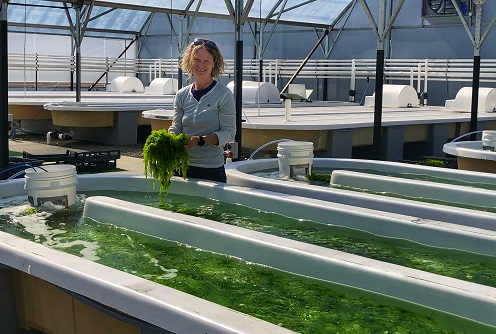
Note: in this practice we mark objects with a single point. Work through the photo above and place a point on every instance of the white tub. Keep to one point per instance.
(470, 155)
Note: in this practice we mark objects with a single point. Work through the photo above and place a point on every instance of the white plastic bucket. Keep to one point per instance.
(295, 158)
(489, 140)
(52, 183)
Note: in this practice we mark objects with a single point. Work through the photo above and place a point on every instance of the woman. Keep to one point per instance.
(205, 111)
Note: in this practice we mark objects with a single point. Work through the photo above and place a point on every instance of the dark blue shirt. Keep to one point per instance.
(197, 94)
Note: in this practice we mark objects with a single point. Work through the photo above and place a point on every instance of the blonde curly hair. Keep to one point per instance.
(212, 48)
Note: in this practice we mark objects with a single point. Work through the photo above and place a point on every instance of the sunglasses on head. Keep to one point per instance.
(208, 43)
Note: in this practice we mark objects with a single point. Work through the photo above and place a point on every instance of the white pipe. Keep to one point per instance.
(160, 67)
(267, 72)
(276, 70)
(426, 74)
(467, 134)
(265, 145)
(352, 81)
(419, 70)
(56, 134)
(287, 106)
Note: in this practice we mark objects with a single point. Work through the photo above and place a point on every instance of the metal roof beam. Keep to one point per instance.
(394, 14)
(381, 32)
(488, 29)
(65, 28)
(293, 7)
(274, 26)
(189, 5)
(143, 33)
(272, 11)
(230, 10)
(341, 15)
(476, 40)
(246, 11)
(86, 18)
(102, 14)
(69, 20)
(184, 41)
(329, 49)
(35, 5)
(371, 18)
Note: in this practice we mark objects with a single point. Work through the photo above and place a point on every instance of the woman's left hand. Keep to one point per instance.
(193, 141)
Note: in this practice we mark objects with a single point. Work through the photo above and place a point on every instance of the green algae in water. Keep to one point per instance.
(299, 303)
(318, 178)
(475, 268)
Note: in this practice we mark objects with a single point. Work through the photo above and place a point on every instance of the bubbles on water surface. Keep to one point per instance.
(167, 273)
(37, 222)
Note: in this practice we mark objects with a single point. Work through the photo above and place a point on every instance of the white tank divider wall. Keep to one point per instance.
(439, 292)
(414, 188)
(410, 227)
(240, 173)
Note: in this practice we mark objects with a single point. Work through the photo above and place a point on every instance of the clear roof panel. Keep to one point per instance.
(319, 12)
(164, 4)
(119, 19)
(129, 16)
(32, 13)
(306, 12)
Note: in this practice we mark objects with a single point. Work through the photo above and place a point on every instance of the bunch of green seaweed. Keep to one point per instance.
(164, 156)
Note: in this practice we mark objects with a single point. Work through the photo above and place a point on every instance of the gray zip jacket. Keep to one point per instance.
(214, 113)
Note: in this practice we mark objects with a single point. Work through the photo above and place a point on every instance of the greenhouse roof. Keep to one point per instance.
(128, 17)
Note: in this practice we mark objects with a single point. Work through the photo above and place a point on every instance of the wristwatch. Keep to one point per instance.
(201, 142)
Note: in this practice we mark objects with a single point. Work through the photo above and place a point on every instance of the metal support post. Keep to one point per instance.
(4, 91)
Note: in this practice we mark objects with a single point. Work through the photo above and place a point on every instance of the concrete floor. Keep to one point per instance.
(125, 164)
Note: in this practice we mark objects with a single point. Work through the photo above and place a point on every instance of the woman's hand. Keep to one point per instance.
(207, 140)
(193, 141)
